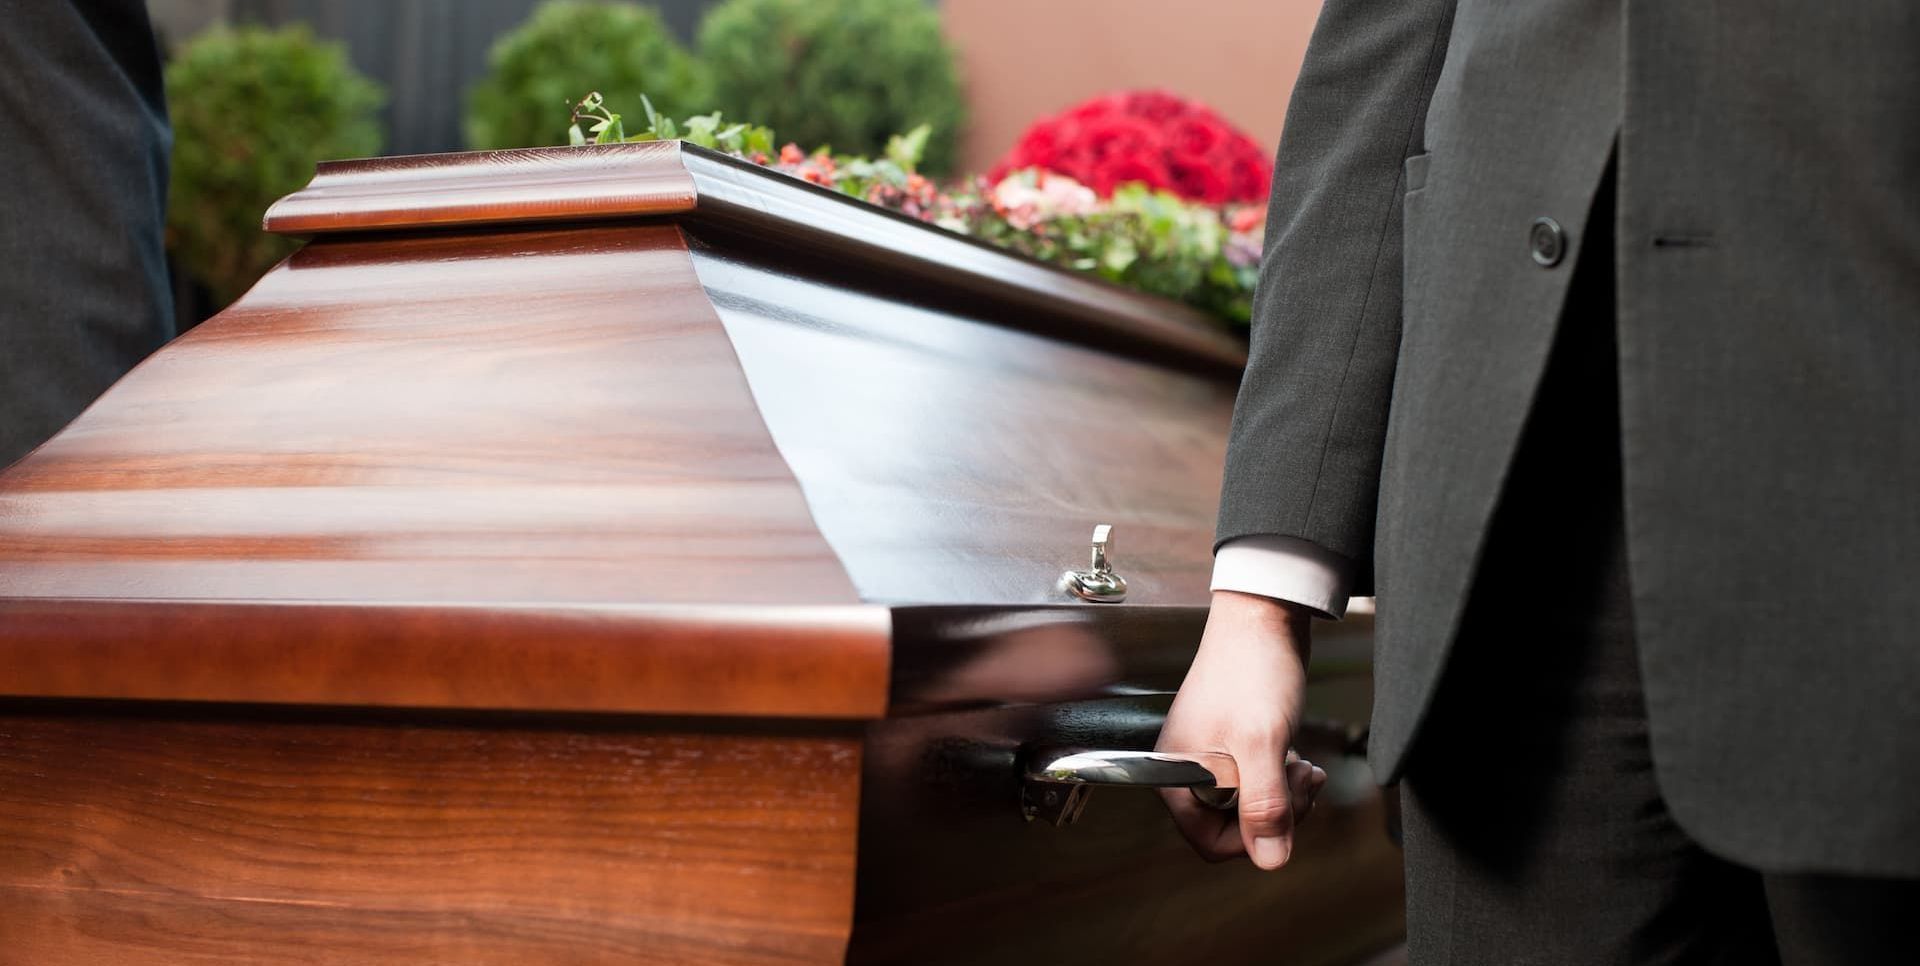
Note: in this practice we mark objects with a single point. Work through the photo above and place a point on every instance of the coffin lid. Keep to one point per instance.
(488, 443)
(546, 186)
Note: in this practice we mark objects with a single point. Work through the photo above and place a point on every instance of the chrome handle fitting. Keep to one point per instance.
(1057, 781)
(1099, 583)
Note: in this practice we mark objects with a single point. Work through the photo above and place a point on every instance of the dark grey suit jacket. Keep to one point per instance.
(83, 188)
(1768, 259)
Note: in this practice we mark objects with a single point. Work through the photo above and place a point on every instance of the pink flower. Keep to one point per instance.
(1029, 197)
(1243, 251)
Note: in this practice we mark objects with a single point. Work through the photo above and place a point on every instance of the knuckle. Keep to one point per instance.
(1264, 812)
(1255, 737)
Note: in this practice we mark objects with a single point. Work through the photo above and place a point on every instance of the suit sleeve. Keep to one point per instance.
(1303, 460)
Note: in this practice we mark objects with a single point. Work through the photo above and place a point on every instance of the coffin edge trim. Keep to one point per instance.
(487, 188)
(762, 662)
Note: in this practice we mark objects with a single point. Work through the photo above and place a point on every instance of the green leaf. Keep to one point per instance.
(700, 129)
(653, 117)
(575, 137)
(906, 150)
(757, 139)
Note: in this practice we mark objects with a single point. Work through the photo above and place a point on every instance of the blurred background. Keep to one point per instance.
(261, 89)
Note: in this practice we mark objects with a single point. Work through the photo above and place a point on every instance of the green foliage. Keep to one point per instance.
(1149, 240)
(707, 130)
(569, 46)
(846, 73)
(252, 111)
(1152, 241)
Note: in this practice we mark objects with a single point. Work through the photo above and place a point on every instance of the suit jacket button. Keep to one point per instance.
(1548, 242)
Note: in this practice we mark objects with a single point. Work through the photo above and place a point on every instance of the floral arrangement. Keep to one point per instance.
(1141, 237)
(1152, 137)
(1137, 235)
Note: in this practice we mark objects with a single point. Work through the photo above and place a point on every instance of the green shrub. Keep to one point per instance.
(252, 111)
(845, 73)
(567, 47)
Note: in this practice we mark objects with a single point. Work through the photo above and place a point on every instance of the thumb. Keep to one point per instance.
(1266, 820)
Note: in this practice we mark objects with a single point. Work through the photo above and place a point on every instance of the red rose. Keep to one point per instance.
(1197, 180)
(1155, 105)
(1249, 178)
(1121, 137)
(1118, 171)
(1195, 137)
(1092, 110)
(1151, 136)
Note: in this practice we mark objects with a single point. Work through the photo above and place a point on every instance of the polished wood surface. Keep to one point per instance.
(1119, 885)
(629, 555)
(957, 658)
(210, 835)
(488, 188)
(998, 452)
(753, 205)
(943, 842)
(519, 416)
(813, 662)
(742, 206)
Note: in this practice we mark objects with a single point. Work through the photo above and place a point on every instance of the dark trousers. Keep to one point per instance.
(1535, 828)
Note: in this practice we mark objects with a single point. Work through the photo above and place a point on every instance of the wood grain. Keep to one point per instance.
(242, 837)
(560, 517)
(523, 417)
(488, 187)
(816, 662)
(999, 451)
(752, 205)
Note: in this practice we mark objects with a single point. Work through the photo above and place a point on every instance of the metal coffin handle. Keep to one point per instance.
(1057, 781)
(1099, 583)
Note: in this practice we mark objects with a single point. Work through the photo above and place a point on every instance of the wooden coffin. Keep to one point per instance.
(629, 554)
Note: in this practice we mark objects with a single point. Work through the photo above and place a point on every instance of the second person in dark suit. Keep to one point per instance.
(1588, 339)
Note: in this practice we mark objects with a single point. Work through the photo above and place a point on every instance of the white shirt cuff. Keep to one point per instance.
(1284, 568)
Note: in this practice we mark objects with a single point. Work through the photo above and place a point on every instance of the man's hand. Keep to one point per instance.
(1242, 696)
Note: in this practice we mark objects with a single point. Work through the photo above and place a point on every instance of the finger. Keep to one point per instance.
(1211, 831)
(1304, 780)
(1266, 819)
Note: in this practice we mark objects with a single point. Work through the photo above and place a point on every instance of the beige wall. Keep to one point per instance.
(1023, 59)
